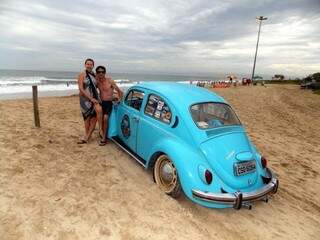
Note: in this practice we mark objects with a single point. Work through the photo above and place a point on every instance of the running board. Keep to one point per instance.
(124, 147)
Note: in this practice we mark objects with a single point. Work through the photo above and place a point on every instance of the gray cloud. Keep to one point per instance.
(162, 36)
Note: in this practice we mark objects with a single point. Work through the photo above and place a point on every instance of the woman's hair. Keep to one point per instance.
(101, 67)
(89, 60)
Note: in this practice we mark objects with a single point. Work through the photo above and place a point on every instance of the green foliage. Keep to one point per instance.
(316, 76)
(282, 82)
(278, 77)
(317, 92)
(256, 77)
(312, 77)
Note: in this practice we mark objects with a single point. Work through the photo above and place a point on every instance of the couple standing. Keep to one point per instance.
(96, 96)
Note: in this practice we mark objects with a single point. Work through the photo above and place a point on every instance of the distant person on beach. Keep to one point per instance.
(89, 100)
(106, 87)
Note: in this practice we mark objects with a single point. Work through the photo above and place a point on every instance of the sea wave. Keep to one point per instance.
(35, 80)
(60, 85)
(14, 85)
(40, 80)
(44, 88)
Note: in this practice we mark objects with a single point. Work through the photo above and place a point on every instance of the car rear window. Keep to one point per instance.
(158, 109)
(212, 115)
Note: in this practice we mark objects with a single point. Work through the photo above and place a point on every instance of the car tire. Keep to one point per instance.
(166, 176)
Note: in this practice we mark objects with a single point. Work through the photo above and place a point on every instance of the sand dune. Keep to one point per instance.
(52, 188)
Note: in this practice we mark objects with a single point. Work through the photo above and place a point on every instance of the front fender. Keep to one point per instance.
(186, 159)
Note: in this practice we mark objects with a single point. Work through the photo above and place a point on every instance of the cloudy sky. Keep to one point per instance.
(161, 36)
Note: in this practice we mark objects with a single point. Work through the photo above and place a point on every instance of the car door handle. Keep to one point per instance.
(136, 119)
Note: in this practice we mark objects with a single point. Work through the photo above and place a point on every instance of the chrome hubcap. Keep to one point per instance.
(167, 173)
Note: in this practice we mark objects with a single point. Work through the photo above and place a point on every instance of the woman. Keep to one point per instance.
(89, 100)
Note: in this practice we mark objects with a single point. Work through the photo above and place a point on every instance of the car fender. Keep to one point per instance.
(185, 158)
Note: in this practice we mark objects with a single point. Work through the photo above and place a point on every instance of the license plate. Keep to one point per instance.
(243, 168)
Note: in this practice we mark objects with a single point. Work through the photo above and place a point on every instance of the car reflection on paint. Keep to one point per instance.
(194, 142)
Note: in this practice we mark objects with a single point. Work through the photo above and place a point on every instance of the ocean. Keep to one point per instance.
(18, 83)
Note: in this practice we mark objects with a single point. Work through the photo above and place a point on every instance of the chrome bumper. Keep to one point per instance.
(238, 199)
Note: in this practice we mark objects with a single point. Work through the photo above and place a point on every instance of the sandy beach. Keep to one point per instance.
(52, 188)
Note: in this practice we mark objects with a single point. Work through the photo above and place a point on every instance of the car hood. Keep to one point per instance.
(223, 152)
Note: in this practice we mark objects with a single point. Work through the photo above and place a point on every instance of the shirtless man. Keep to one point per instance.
(106, 87)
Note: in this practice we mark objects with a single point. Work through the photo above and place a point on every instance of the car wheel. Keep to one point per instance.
(166, 176)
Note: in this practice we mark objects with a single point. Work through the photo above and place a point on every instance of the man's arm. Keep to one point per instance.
(120, 93)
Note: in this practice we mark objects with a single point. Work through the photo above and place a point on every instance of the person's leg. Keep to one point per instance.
(104, 127)
(86, 126)
(103, 140)
(89, 126)
(98, 110)
(92, 125)
(106, 119)
(106, 109)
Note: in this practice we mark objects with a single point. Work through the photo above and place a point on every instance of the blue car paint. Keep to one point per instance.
(191, 149)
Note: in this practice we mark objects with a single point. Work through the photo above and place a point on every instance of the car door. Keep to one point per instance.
(155, 123)
(129, 117)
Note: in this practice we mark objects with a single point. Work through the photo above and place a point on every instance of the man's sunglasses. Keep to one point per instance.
(101, 72)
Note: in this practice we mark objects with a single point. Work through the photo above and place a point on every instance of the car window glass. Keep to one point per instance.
(211, 115)
(134, 99)
(158, 109)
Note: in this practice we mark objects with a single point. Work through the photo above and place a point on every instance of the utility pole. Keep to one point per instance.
(260, 19)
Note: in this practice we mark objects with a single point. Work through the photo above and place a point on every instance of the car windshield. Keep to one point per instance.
(212, 115)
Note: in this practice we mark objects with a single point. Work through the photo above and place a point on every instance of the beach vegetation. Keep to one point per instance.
(316, 77)
(312, 81)
(317, 92)
(278, 77)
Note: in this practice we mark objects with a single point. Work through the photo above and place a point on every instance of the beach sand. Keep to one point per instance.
(52, 188)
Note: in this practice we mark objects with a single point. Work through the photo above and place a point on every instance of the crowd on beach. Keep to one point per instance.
(223, 84)
(97, 92)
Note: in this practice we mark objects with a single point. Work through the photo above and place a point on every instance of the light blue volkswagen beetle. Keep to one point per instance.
(194, 142)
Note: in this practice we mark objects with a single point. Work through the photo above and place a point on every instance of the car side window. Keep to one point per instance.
(158, 109)
(134, 99)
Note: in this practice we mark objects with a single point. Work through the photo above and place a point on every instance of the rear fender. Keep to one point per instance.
(185, 158)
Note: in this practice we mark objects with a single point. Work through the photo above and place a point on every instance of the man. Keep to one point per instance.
(106, 88)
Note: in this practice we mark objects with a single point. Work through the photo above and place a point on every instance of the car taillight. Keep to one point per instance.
(264, 162)
(208, 176)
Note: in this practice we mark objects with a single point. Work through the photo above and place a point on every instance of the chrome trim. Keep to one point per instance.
(135, 158)
(238, 198)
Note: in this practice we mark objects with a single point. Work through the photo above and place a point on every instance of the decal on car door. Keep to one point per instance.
(125, 126)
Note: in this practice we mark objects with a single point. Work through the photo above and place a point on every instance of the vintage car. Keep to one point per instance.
(194, 142)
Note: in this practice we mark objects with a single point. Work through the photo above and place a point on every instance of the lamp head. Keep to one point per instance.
(261, 18)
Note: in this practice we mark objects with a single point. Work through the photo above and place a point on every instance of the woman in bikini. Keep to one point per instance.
(89, 100)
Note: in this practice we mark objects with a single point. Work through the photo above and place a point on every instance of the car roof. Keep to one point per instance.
(182, 93)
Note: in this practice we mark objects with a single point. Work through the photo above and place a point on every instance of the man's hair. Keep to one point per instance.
(89, 60)
(101, 67)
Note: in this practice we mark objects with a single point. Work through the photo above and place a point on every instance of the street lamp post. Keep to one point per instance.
(260, 19)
